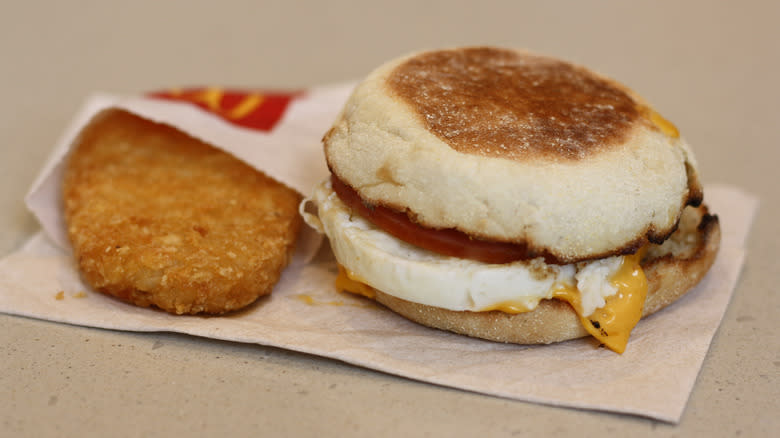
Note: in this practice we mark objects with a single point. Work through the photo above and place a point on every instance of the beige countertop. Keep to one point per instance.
(711, 67)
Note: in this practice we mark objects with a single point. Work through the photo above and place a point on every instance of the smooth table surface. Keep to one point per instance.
(710, 67)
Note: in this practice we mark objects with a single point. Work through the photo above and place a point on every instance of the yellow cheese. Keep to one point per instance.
(661, 123)
(610, 324)
(508, 307)
(624, 309)
(346, 281)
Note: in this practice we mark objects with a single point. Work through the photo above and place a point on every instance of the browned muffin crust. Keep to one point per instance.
(512, 105)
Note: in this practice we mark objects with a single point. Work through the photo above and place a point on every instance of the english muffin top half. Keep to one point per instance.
(509, 146)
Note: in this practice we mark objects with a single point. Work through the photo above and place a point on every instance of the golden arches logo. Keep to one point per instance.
(249, 109)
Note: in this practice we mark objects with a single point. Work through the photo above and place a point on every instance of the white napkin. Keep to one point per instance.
(653, 378)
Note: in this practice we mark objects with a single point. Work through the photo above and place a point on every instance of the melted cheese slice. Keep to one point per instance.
(611, 324)
(660, 122)
(346, 282)
(607, 294)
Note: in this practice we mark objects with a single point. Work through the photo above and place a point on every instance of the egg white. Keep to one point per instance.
(414, 274)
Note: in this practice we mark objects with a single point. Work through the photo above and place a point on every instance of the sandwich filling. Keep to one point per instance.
(607, 294)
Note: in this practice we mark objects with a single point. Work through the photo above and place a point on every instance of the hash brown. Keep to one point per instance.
(158, 218)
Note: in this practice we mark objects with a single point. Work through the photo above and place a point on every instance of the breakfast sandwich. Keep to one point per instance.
(512, 197)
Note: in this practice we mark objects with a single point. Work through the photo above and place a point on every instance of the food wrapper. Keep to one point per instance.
(305, 313)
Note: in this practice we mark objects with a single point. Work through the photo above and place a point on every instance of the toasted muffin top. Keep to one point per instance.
(508, 104)
(509, 146)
